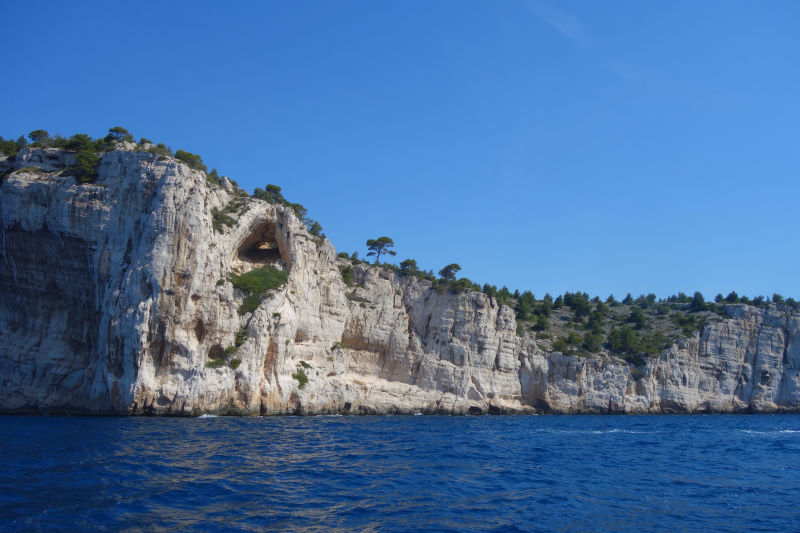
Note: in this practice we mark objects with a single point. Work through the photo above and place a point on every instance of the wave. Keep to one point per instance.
(770, 432)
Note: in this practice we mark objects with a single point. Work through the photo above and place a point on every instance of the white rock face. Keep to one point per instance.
(116, 294)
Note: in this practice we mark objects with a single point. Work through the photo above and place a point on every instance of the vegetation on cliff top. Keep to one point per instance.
(577, 324)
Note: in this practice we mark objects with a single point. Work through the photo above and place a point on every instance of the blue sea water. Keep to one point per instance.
(409, 473)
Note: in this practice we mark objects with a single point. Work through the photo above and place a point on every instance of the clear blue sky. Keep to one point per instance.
(583, 145)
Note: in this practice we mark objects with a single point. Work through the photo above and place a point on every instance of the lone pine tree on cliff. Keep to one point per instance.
(381, 245)
(449, 272)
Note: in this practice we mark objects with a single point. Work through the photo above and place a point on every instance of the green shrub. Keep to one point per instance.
(573, 339)
(315, 228)
(80, 142)
(623, 340)
(698, 303)
(688, 323)
(459, 285)
(213, 177)
(257, 283)
(11, 148)
(192, 160)
(560, 345)
(161, 150)
(637, 317)
(304, 364)
(215, 363)
(654, 344)
(85, 169)
(260, 280)
(250, 304)
(234, 363)
(347, 276)
(241, 335)
(301, 378)
(592, 342)
(218, 220)
(119, 134)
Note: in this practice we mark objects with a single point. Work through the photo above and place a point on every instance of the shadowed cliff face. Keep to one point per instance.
(117, 297)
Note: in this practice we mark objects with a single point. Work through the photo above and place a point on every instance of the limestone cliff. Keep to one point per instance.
(116, 294)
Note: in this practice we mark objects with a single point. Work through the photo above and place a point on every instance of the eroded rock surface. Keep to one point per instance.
(116, 294)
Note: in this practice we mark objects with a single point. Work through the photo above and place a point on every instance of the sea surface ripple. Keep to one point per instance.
(401, 473)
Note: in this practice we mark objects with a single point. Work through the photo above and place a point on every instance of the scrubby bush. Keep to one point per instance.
(688, 323)
(11, 148)
(192, 160)
(120, 134)
(637, 317)
(592, 342)
(301, 378)
(698, 303)
(623, 340)
(578, 302)
(85, 169)
(260, 280)
(271, 194)
(560, 345)
(161, 150)
(241, 336)
(220, 219)
(213, 177)
(408, 267)
(215, 363)
(80, 142)
(250, 304)
(462, 284)
(256, 283)
(347, 276)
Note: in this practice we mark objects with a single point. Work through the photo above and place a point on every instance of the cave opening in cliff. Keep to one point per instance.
(259, 249)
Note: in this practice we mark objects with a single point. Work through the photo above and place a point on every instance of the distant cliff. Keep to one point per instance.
(130, 294)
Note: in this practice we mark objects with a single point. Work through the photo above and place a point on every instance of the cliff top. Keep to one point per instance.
(572, 323)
